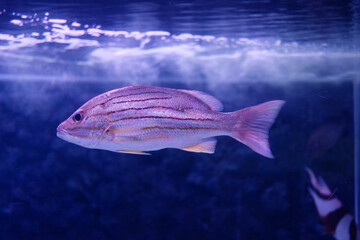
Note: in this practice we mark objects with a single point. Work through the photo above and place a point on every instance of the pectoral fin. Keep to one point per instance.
(133, 152)
(207, 146)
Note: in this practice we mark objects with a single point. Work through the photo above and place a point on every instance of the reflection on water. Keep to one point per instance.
(41, 45)
(303, 21)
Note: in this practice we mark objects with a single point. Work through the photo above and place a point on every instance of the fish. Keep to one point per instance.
(324, 138)
(337, 220)
(140, 119)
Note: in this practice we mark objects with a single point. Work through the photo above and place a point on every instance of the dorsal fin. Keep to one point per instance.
(211, 101)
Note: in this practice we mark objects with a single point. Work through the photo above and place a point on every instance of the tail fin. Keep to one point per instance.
(253, 124)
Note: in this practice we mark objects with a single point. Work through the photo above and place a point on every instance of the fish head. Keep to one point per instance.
(85, 127)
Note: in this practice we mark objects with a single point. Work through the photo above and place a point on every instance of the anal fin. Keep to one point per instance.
(133, 152)
(207, 146)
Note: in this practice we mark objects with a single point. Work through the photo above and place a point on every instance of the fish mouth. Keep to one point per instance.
(61, 132)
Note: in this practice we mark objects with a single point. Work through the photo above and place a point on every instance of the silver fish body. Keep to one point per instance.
(138, 119)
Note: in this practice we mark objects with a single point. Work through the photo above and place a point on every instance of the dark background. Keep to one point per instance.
(51, 189)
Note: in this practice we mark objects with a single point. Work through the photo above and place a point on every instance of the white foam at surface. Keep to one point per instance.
(59, 21)
(142, 57)
(75, 24)
(183, 36)
(157, 33)
(75, 43)
(7, 37)
(66, 31)
(115, 33)
(189, 63)
(136, 35)
(17, 22)
(75, 33)
(57, 25)
(94, 32)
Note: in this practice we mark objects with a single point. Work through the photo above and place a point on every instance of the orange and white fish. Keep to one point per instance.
(337, 220)
(137, 119)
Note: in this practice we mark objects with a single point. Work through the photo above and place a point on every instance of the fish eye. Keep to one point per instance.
(78, 117)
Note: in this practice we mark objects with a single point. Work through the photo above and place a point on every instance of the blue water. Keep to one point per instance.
(56, 56)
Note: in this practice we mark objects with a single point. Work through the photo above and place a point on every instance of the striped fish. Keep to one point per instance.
(138, 119)
(336, 218)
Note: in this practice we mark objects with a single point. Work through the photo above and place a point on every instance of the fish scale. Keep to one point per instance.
(135, 119)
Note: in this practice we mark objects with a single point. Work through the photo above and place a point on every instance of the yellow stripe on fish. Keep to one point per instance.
(180, 128)
(138, 139)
